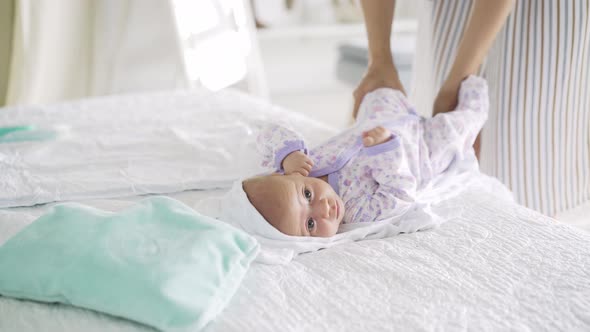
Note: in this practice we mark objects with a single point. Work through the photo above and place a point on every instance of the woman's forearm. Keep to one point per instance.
(485, 21)
(378, 19)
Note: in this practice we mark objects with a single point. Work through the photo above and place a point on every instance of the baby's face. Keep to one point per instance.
(296, 205)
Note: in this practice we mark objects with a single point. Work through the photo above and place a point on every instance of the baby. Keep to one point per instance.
(370, 172)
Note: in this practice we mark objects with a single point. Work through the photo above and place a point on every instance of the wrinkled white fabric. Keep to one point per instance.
(137, 144)
(496, 266)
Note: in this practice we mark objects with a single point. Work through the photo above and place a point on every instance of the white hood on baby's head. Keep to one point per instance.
(235, 208)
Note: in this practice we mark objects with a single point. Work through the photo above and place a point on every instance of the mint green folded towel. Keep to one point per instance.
(16, 134)
(159, 262)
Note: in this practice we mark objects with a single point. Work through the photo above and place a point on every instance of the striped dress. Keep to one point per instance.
(537, 138)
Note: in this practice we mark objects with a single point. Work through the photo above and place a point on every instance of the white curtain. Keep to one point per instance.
(68, 49)
(135, 47)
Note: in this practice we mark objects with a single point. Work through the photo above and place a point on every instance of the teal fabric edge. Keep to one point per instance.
(226, 293)
(222, 297)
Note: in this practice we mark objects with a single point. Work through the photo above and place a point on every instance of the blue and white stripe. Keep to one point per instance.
(537, 138)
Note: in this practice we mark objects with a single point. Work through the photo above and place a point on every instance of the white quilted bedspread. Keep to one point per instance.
(498, 266)
(138, 144)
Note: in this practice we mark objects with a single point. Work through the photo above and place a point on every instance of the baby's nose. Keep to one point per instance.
(323, 208)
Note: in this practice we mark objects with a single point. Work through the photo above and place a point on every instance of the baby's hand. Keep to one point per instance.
(376, 136)
(297, 162)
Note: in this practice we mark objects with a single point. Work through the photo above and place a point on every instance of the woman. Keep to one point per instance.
(536, 139)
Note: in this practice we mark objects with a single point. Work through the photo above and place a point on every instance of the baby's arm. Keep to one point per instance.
(333, 154)
(449, 135)
(277, 142)
(297, 162)
(278, 145)
(285, 150)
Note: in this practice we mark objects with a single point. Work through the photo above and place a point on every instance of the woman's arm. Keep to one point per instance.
(378, 19)
(381, 71)
(485, 21)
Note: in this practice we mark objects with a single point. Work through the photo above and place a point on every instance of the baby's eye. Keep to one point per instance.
(307, 194)
(310, 224)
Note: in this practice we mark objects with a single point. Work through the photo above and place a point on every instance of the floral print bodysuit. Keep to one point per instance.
(380, 182)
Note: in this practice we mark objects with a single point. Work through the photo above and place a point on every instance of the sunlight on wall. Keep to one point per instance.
(215, 40)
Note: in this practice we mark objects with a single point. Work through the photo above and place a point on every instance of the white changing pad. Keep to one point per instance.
(499, 266)
(138, 144)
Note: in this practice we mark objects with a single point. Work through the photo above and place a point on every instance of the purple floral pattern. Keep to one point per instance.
(381, 182)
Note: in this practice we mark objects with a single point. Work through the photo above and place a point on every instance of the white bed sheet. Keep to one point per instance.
(138, 144)
(499, 266)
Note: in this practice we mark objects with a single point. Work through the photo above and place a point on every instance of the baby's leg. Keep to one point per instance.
(450, 135)
(383, 105)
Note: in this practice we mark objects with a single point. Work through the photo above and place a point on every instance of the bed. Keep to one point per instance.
(494, 266)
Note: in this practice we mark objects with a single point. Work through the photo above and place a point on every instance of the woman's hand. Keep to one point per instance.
(297, 162)
(376, 136)
(447, 98)
(378, 75)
